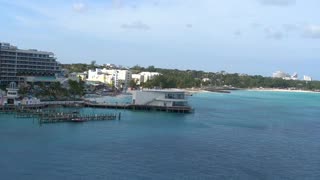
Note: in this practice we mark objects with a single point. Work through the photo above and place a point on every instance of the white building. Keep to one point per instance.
(12, 97)
(149, 75)
(30, 101)
(205, 80)
(285, 76)
(280, 74)
(138, 78)
(163, 98)
(115, 77)
(307, 78)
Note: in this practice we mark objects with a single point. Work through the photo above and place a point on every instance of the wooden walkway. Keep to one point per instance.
(175, 109)
(51, 116)
(60, 117)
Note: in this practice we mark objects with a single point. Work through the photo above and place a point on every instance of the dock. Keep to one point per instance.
(52, 116)
(71, 117)
(32, 110)
(174, 109)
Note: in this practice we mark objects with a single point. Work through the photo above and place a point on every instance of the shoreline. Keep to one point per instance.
(280, 90)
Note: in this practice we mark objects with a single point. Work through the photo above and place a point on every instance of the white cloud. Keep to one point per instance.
(312, 31)
(278, 2)
(79, 7)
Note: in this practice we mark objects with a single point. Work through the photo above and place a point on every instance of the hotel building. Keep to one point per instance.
(115, 77)
(17, 65)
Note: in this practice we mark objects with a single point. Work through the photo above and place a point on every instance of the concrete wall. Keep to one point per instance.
(145, 97)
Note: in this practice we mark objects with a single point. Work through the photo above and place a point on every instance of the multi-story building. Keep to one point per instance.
(117, 78)
(163, 98)
(280, 74)
(149, 75)
(138, 78)
(17, 65)
(307, 78)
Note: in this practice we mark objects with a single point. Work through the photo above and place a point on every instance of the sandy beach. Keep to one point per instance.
(281, 90)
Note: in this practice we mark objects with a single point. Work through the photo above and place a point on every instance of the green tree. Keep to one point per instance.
(76, 88)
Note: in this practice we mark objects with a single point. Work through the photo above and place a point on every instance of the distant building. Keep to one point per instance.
(115, 77)
(18, 65)
(205, 80)
(138, 78)
(163, 98)
(110, 66)
(285, 76)
(280, 74)
(307, 78)
(78, 76)
(149, 75)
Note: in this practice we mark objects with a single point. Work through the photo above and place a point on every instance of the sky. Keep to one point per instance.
(243, 36)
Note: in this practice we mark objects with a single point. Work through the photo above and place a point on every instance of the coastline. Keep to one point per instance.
(280, 90)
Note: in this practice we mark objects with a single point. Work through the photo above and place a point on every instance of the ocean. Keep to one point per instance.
(242, 135)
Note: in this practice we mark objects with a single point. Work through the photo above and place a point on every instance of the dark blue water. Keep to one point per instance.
(243, 135)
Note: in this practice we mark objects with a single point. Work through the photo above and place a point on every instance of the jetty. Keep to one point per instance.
(52, 116)
(74, 117)
(174, 109)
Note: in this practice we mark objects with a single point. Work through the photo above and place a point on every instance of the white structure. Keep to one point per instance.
(115, 77)
(285, 76)
(163, 98)
(307, 78)
(149, 75)
(280, 74)
(12, 96)
(205, 80)
(30, 101)
(138, 78)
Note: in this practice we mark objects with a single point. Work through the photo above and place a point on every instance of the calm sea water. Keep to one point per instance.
(243, 135)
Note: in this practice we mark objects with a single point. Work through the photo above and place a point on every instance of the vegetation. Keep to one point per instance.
(173, 78)
(76, 88)
(55, 91)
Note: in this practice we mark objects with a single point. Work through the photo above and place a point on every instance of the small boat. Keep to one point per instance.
(77, 120)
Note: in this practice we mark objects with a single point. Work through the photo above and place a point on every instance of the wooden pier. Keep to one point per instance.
(175, 109)
(63, 117)
(52, 116)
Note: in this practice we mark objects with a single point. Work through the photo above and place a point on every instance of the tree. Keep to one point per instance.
(76, 88)
(93, 64)
(133, 84)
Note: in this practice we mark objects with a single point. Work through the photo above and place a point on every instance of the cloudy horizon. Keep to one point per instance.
(251, 36)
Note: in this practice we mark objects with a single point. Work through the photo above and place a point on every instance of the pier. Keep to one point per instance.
(53, 116)
(32, 110)
(72, 117)
(174, 109)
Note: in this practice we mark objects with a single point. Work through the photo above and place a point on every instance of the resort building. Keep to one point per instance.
(162, 98)
(77, 76)
(138, 78)
(17, 65)
(285, 76)
(307, 78)
(280, 74)
(115, 77)
(149, 75)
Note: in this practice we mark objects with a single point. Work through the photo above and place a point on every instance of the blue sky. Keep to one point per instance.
(245, 36)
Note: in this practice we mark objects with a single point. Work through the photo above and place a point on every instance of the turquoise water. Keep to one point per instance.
(243, 135)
